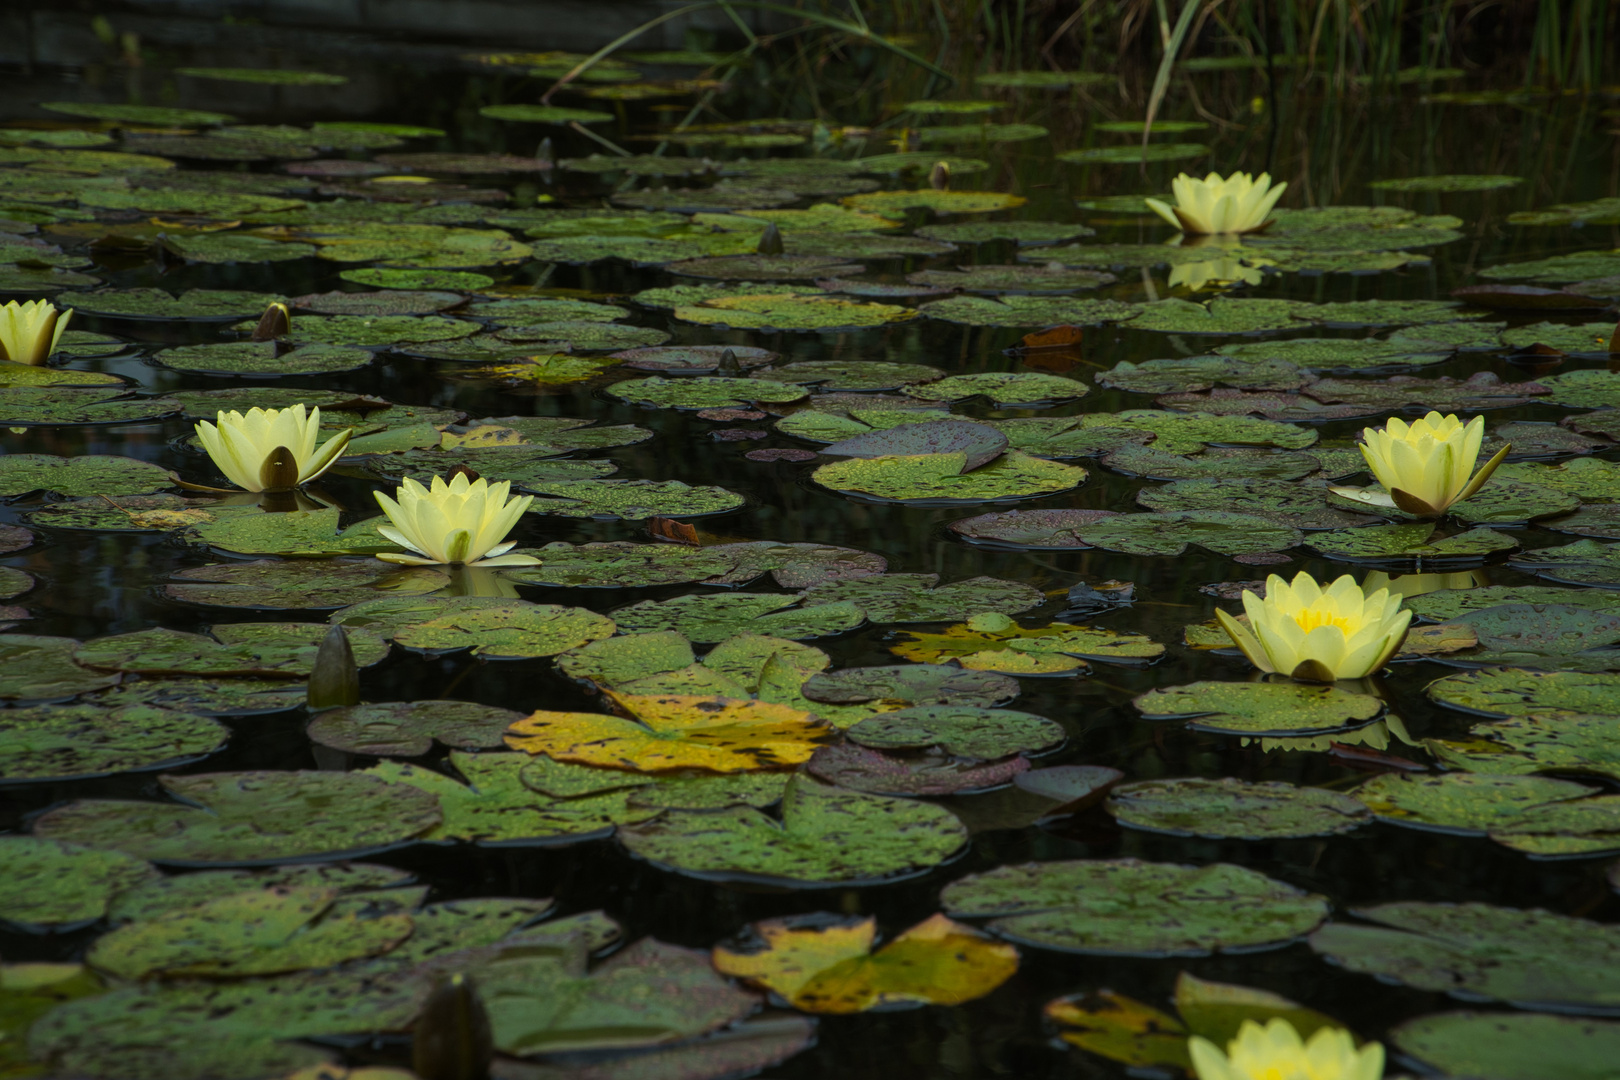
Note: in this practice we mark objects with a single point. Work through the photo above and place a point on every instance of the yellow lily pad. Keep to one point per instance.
(676, 731)
(830, 967)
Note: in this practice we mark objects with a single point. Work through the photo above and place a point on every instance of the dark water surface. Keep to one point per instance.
(1329, 146)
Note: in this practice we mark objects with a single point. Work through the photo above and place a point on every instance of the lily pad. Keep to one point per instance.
(1298, 506)
(1134, 155)
(1270, 708)
(1038, 530)
(1529, 958)
(1193, 373)
(1509, 1046)
(1346, 354)
(1409, 543)
(1219, 316)
(1022, 233)
(979, 443)
(410, 728)
(49, 883)
(712, 618)
(65, 742)
(963, 731)
(194, 305)
(543, 114)
(1523, 745)
(386, 277)
(632, 500)
(153, 115)
(857, 768)
(1444, 605)
(1006, 389)
(705, 392)
(90, 474)
(1219, 809)
(1126, 907)
(910, 685)
(1015, 310)
(1558, 269)
(939, 480)
(911, 598)
(791, 311)
(49, 406)
(250, 530)
(516, 630)
(244, 818)
(1516, 692)
(766, 267)
(826, 836)
(235, 650)
(272, 584)
(1170, 533)
(1450, 182)
(990, 641)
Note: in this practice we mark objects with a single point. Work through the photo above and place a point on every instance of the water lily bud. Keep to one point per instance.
(279, 470)
(770, 241)
(545, 152)
(728, 364)
(939, 177)
(451, 1037)
(276, 322)
(334, 680)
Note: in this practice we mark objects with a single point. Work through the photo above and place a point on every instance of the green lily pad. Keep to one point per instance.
(495, 807)
(938, 479)
(527, 467)
(1590, 339)
(376, 331)
(250, 817)
(580, 335)
(410, 728)
(1193, 373)
(985, 133)
(1551, 741)
(1511, 1046)
(261, 359)
(853, 375)
(980, 443)
(265, 76)
(1386, 313)
(150, 115)
(705, 392)
(543, 114)
(210, 697)
(707, 618)
(49, 883)
(1506, 692)
(199, 305)
(1270, 708)
(1219, 316)
(1126, 907)
(1183, 433)
(515, 630)
(1229, 808)
(1446, 604)
(1409, 543)
(224, 248)
(990, 641)
(1585, 562)
(49, 406)
(1170, 533)
(1588, 388)
(1503, 502)
(249, 530)
(632, 500)
(274, 584)
(91, 474)
(1022, 233)
(896, 203)
(261, 650)
(1544, 631)
(1342, 354)
(1298, 506)
(1028, 311)
(1135, 460)
(911, 685)
(912, 598)
(1159, 127)
(791, 312)
(856, 768)
(1591, 479)
(1042, 80)
(1529, 958)
(960, 730)
(826, 836)
(1037, 530)
(1558, 269)
(1461, 802)
(385, 277)
(1134, 155)
(766, 267)
(63, 742)
(1005, 389)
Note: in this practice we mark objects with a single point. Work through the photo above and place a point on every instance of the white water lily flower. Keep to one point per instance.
(244, 447)
(1238, 204)
(1316, 634)
(1424, 466)
(29, 333)
(1276, 1052)
(459, 522)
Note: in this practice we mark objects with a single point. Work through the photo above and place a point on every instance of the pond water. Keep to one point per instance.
(551, 242)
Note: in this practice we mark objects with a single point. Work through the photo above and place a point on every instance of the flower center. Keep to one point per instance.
(1311, 618)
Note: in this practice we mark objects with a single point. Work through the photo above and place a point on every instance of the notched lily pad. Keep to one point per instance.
(410, 728)
(1218, 809)
(1269, 708)
(64, 742)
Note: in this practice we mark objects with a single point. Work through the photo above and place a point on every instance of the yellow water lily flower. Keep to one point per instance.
(1276, 1052)
(29, 332)
(459, 522)
(1214, 274)
(270, 449)
(1424, 466)
(1317, 634)
(1238, 204)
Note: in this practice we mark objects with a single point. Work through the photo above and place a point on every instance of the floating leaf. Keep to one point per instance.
(1409, 543)
(1468, 803)
(1169, 534)
(825, 966)
(42, 669)
(1039, 530)
(90, 474)
(410, 728)
(515, 630)
(1521, 745)
(993, 642)
(1271, 708)
(1126, 907)
(858, 768)
(250, 817)
(712, 618)
(1529, 958)
(705, 392)
(273, 584)
(269, 650)
(1016, 310)
(49, 883)
(64, 742)
(1509, 1046)
(909, 598)
(1515, 692)
(938, 479)
(791, 312)
(154, 115)
(1232, 808)
(1219, 316)
(632, 500)
(959, 730)
(826, 836)
(1134, 155)
(912, 685)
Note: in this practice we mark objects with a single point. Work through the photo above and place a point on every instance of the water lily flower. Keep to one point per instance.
(1276, 1052)
(459, 522)
(270, 449)
(1424, 466)
(1316, 634)
(29, 333)
(1238, 204)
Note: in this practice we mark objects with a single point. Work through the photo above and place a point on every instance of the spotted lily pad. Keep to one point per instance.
(1511, 1046)
(826, 836)
(50, 883)
(1515, 692)
(516, 630)
(1409, 543)
(249, 817)
(250, 530)
(47, 406)
(274, 584)
(1529, 958)
(198, 305)
(1039, 530)
(912, 685)
(938, 479)
(261, 359)
(75, 741)
(1446, 604)
(712, 618)
(994, 642)
(1193, 373)
(1219, 316)
(1349, 354)
(1270, 708)
(705, 392)
(1022, 233)
(410, 728)
(1170, 533)
(1126, 907)
(91, 474)
(630, 499)
(1020, 310)
(791, 312)
(1019, 388)
(979, 443)
(962, 731)
(1223, 808)
(265, 650)
(858, 768)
